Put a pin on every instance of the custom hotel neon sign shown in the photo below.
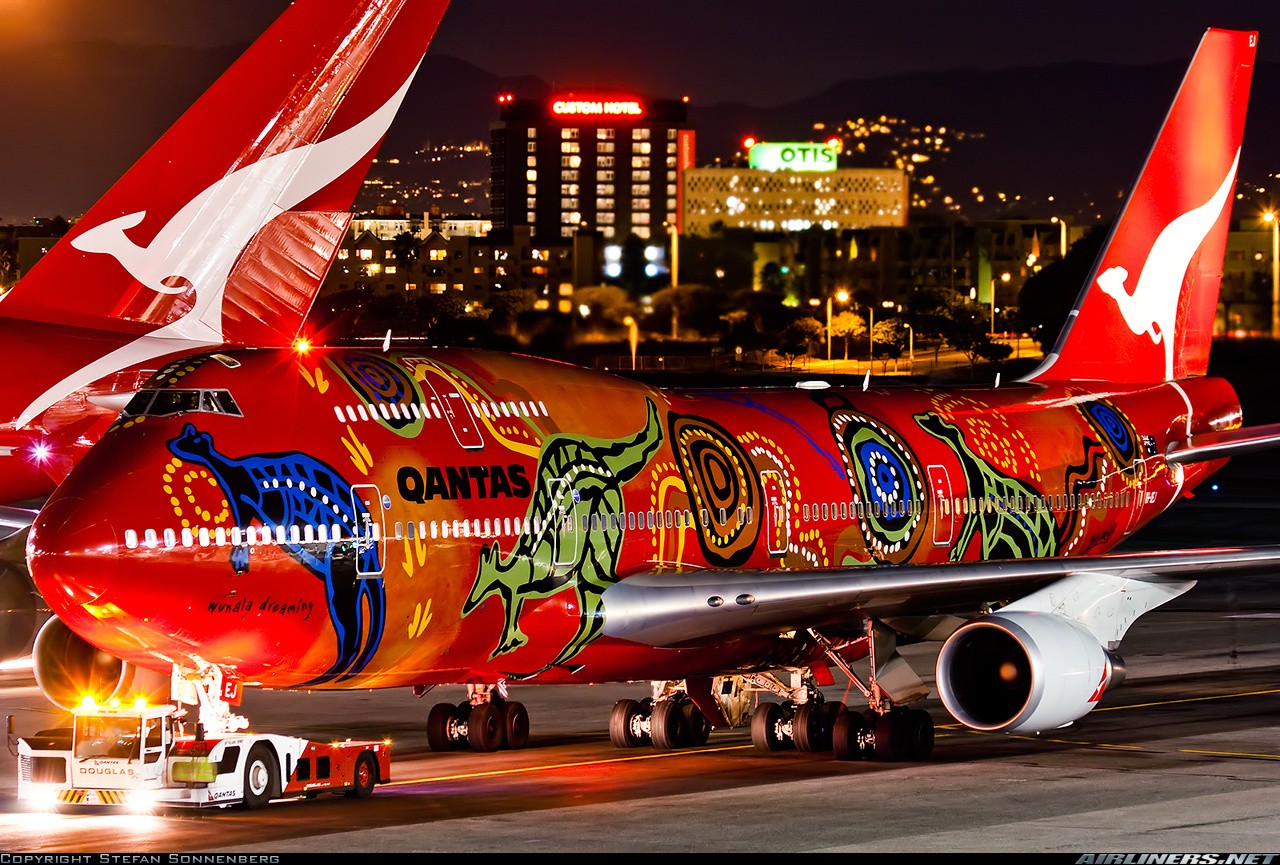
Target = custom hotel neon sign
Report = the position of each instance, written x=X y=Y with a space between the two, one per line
x=612 y=107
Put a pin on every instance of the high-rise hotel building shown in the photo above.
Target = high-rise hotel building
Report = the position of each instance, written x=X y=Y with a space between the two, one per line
x=604 y=162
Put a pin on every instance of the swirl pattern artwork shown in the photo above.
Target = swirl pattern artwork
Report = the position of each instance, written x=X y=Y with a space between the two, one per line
x=889 y=496
x=723 y=484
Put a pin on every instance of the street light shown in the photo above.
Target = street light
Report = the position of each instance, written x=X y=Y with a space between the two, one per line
x=1062 y=236
x=633 y=337
x=674 y=230
x=842 y=296
x=1004 y=277
x=1269 y=217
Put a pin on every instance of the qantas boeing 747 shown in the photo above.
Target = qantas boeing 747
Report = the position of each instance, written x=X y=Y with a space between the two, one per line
x=347 y=518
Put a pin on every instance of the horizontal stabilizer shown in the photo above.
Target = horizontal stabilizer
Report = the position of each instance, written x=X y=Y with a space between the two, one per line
x=1230 y=443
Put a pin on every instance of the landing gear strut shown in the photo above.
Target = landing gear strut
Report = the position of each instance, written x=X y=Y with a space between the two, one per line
x=485 y=721
x=885 y=731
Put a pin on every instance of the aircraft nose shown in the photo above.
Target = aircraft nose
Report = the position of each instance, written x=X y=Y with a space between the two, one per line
x=73 y=554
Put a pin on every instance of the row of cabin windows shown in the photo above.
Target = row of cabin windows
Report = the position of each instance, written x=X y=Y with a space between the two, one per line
x=612 y=522
x=970 y=505
x=236 y=536
x=419 y=411
x=477 y=527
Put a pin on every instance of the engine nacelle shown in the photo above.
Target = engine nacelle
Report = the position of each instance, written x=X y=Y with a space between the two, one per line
x=68 y=668
x=22 y=612
x=1023 y=671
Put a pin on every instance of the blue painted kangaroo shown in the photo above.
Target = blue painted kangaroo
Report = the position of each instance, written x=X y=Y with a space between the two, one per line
x=296 y=490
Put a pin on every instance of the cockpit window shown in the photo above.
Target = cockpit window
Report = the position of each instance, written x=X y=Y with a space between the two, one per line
x=171 y=401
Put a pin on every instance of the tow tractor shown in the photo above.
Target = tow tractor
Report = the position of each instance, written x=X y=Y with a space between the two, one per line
x=140 y=757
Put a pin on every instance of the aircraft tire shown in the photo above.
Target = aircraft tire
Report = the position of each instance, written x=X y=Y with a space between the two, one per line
x=766 y=721
x=697 y=725
x=624 y=731
x=515 y=725
x=891 y=737
x=845 y=732
x=438 y=722
x=484 y=728
x=806 y=728
x=918 y=739
x=667 y=726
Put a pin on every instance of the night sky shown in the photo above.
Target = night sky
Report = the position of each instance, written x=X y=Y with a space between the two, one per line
x=758 y=53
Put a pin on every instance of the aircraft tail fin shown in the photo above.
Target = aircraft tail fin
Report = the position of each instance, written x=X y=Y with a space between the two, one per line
x=1147 y=310
x=223 y=230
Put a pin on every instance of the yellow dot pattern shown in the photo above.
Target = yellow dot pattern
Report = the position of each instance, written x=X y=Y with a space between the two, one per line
x=187 y=487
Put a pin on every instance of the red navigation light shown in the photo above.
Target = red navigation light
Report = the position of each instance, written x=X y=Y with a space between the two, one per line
x=748 y=142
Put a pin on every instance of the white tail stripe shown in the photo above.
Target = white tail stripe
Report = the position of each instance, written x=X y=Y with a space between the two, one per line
x=199 y=246
x=1152 y=307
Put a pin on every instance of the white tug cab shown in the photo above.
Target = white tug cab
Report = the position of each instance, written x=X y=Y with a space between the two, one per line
x=141 y=757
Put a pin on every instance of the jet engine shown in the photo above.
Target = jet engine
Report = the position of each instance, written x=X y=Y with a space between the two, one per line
x=68 y=668
x=1023 y=671
x=21 y=612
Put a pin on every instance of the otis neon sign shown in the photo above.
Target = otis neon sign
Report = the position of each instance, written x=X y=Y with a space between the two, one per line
x=792 y=156
x=597 y=107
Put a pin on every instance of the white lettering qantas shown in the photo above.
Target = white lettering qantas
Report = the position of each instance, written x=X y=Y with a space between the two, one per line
x=1152 y=308
x=199 y=246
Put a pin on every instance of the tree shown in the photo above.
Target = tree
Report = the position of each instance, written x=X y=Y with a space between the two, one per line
x=798 y=337
x=848 y=325
x=969 y=333
x=1047 y=297
x=404 y=249
x=693 y=307
x=508 y=305
x=890 y=339
x=633 y=277
x=607 y=305
x=433 y=311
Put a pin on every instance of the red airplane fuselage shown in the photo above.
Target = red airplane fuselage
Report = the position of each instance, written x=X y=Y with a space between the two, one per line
x=346 y=518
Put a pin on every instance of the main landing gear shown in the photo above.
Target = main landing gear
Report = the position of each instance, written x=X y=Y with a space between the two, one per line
x=485 y=721
x=801 y=719
x=672 y=718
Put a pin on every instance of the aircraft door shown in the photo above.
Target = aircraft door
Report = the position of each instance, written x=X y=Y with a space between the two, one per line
x=457 y=413
x=776 y=525
x=366 y=503
x=563 y=517
x=944 y=512
x=1137 y=493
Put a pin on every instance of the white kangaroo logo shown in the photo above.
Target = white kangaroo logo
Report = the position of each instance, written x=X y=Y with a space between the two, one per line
x=198 y=247
x=1152 y=308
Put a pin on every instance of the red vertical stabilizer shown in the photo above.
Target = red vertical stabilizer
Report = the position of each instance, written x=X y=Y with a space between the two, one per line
x=1146 y=312
x=291 y=126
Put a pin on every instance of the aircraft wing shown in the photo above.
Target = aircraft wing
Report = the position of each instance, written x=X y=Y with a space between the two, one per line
x=1217 y=445
x=688 y=608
